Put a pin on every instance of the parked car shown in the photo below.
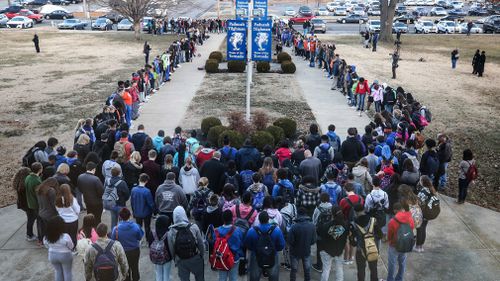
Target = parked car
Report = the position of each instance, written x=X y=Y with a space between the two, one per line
x=60 y=2
x=462 y=28
x=340 y=11
x=429 y=2
x=400 y=10
x=410 y=3
x=492 y=25
x=375 y=4
x=353 y=19
x=72 y=24
x=20 y=22
x=399 y=27
x=438 y=11
x=420 y=12
x=481 y=21
x=113 y=16
x=290 y=12
x=37 y=18
x=331 y=6
x=38 y=2
x=373 y=26
x=457 y=4
x=300 y=19
x=358 y=11
x=322 y=12
x=406 y=18
x=446 y=27
x=3 y=20
x=305 y=11
x=318 y=25
x=425 y=26
x=102 y=24
x=478 y=12
x=125 y=24
x=457 y=12
x=144 y=23
x=444 y=4
x=20 y=2
x=375 y=11
x=11 y=9
x=451 y=18
x=59 y=14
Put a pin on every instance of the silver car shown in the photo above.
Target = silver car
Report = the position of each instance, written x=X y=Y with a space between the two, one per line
x=3 y=20
x=319 y=25
x=125 y=24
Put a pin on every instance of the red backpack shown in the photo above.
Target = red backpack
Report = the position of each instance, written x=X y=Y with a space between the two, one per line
x=222 y=257
x=471 y=172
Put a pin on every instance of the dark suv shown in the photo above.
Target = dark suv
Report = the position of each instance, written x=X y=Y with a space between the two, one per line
x=492 y=25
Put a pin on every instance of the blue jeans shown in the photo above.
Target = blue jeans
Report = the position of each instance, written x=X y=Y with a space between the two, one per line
x=453 y=63
x=378 y=106
x=306 y=264
x=351 y=98
x=128 y=113
x=114 y=216
x=231 y=275
x=361 y=103
x=388 y=107
x=62 y=263
x=400 y=258
x=163 y=271
x=463 y=184
x=443 y=179
x=255 y=272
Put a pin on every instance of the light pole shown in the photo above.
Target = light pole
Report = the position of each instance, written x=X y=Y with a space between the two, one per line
x=249 y=58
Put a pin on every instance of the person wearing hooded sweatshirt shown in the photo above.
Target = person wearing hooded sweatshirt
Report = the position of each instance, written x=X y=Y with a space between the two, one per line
x=170 y=195
x=333 y=138
x=162 y=271
x=301 y=237
x=188 y=178
x=402 y=215
x=362 y=175
x=212 y=214
x=142 y=203
x=158 y=140
x=324 y=208
x=187 y=256
x=308 y=195
x=129 y=234
x=247 y=153
x=284 y=187
x=235 y=243
x=122 y=191
x=274 y=214
x=258 y=190
x=108 y=165
x=251 y=239
x=351 y=149
x=429 y=163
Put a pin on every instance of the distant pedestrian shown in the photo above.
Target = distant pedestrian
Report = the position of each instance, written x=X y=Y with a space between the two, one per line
x=475 y=61
x=466 y=174
x=36 y=41
x=395 y=59
x=480 y=64
x=374 y=42
x=146 y=50
x=469 y=27
x=454 y=58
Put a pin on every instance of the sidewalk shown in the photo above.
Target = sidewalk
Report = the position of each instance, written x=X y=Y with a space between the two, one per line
x=165 y=109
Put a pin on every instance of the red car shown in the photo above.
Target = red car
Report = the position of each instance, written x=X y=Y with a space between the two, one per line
x=300 y=19
x=26 y=13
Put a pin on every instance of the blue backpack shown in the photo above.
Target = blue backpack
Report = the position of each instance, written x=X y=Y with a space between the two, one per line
x=246 y=178
x=268 y=181
x=333 y=191
x=324 y=156
x=105 y=266
x=258 y=200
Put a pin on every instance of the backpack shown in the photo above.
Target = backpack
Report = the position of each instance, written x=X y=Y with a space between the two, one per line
x=288 y=219
x=265 y=250
x=404 y=237
x=122 y=153
x=429 y=204
x=258 y=200
x=185 y=243
x=200 y=205
x=325 y=216
x=432 y=164
x=158 y=253
x=83 y=244
x=228 y=204
x=110 y=195
x=352 y=213
x=324 y=156
x=268 y=180
x=333 y=191
x=471 y=172
x=370 y=251
x=243 y=222
x=378 y=211
x=176 y=141
x=334 y=142
x=29 y=157
x=105 y=266
x=246 y=179
x=285 y=193
x=413 y=159
x=428 y=114
x=233 y=180
x=222 y=257
x=417 y=215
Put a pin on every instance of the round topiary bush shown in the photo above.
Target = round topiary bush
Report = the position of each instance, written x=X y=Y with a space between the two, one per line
x=216 y=55
x=288 y=125
x=208 y=123
x=288 y=67
x=236 y=66
x=283 y=56
x=261 y=139
x=235 y=138
x=212 y=66
x=263 y=67
x=277 y=132
x=214 y=133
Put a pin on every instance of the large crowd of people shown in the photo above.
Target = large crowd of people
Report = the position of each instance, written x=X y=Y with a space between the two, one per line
x=253 y=211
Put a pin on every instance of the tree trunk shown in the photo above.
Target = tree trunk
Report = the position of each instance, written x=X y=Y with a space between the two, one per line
x=386 y=18
x=137 y=30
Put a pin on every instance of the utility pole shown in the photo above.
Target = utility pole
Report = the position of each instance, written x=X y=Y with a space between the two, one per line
x=218 y=9
x=249 y=58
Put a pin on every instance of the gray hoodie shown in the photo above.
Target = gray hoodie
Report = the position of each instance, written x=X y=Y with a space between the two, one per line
x=180 y=220
x=168 y=196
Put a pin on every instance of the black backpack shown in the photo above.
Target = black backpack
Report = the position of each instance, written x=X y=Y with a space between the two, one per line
x=240 y=222
x=432 y=164
x=29 y=157
x=405 y=240
x=185 y=242
x=234 y=181
x=285 y=193
x=105 y=266
x=324 y=156
x=352 y=213
x=265 y=250
x=378 y=211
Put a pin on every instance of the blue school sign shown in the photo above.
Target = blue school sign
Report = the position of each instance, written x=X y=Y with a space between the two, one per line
x=261 y=40
x=241 y=9
x=260 y=9
x=236 y=40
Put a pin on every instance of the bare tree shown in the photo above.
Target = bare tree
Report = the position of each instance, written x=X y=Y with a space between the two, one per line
x=388 y=8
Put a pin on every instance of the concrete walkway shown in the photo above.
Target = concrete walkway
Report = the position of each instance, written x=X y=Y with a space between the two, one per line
x=166 y=108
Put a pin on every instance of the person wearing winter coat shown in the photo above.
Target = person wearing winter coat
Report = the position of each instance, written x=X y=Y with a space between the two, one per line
x=445 y=153
x=122 y=191
x=362 y=175
x=325 y=207
x=313 y=139
x=139 y=137
x=192 y=260
x=402 y=215
x=141 y=201
x=188 y=178
x=169 y=195
x=162 y=271
x=153 y=170
x=132 y=169
x=92 y=189
x=214 y=170
x=247 y=153
x=308 y=195
x=129 y=234
x=283 y=152
x=410 y=175
x=46 y=197
x=463 y=168
x=429 y=164
x=310 y=167
x=301 y=237
x=351 y=148
x=235 y=243
x=274 y=214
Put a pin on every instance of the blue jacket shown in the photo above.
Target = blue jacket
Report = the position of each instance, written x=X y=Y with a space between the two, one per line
x=129 y=234
x=252 y=237
x=245 y=154
x=235 y=242
x=142 y=202
x=60 y=159
x=301 y=236
x=229 y=153
x=286 y=183
x=138 y=140
x=158 y=143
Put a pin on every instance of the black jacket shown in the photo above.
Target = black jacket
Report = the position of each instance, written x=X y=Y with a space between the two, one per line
x=444 y=152
x=301 y=236
x=102 y=149
x=246 y=154
x=122 y=190
x=91 y=188
x=356 y=239
x=214 y=170
x=333 y=247
x=312 y=141
x=351 y=150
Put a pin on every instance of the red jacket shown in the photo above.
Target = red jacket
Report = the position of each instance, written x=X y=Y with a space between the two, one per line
x=392 y=232
x=363 y=88
x=346 y=208
x=204 y=155
x=283 y=153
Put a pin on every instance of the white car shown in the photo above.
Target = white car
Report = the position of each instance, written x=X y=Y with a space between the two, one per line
x=410 y=3
x=3 y=20
x=438 y=11
x=340 y=11
x=322 y=12
x=375 y=4
x=374 y=11
x=429 y=2
x=290 y=12
x=20 y=22
x=446 y=27
x=462 y=28
x=457 y=4
x=425 y=26
x=420 y=3
x=125 y=24
x=331 y=6
x=373 y=26
x=358 y=11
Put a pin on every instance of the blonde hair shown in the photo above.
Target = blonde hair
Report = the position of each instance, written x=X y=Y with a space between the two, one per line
x=135 y=156
x=63 y=168
x=79 y=124
x=83 y=139
x=203 y=182
x=267 y=166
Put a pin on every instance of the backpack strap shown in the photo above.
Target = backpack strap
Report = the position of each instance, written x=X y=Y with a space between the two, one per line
x=270 y=230
x=259 y=232
x=372 y=225
x=108 y=248
x=237 y=209
x=98 y=248
x=250 y=214
x=230 y=233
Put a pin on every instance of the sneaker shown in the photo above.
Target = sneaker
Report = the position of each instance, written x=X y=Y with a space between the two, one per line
x=31 y=238
x=346 y=262
x=317 y=268
x=360 y=112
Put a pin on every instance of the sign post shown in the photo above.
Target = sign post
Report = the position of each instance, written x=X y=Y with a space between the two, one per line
x=249 y=59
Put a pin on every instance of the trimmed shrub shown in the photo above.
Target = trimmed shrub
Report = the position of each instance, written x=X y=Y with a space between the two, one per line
x=214 y=133
x=216 y=55
x=260 y=120
x=263 y=67
x=288 y=125
x=237 y=122
x=261 y=139
x=235 y=138
x=236 y=66
x=283 y=56
x=212 y=66
x=277 y=132
x=288 y=67
x=208 y=123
